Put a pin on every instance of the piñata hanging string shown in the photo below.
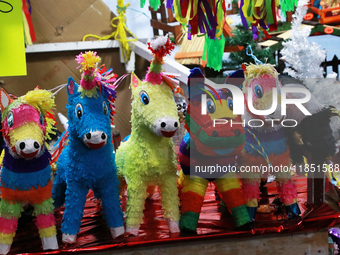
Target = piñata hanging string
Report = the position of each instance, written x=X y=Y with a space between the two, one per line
x=120 y=33
x=249 y=52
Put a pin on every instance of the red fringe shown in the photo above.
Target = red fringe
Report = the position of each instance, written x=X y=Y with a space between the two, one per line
x=191 y=202
x=233 y=198
x=164 y=50
x=45 y=221
x=287 y=192
x=8 y=226
x=33 y=196
x=184 y=159
x=251 y=191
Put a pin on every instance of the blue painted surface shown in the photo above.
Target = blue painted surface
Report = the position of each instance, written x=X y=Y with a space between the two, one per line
x=330 y=43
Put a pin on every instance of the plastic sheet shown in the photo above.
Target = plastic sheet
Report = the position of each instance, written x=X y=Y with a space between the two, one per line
x=215 y=222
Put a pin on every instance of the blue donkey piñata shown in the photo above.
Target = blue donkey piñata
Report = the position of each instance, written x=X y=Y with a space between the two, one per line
x=87 y=162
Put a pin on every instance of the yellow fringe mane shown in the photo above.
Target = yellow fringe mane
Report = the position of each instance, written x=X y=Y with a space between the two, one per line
x=89 y=60
x=43 y=101
x=256 y=71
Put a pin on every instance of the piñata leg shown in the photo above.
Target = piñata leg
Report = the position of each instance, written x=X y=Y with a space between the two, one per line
x=58 y=192
x=288 y=194
x=170 y=201
x=74 y=207
x=9 y=215
x=250 y=185
x=108 y=192
x=136 y=193
x=46 y=224
x=192 y=197
x=232 y=195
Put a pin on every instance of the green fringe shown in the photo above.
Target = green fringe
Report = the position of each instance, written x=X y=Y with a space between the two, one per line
x=45 y=208
x=213 y=52
x=154 y=4
x=8 y=210
x=88 y=93
x=13 y=105
x=156 y=68
x=189 y=221
x=240 y=215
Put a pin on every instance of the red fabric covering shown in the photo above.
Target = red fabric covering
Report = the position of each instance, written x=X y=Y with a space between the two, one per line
x=215 y=222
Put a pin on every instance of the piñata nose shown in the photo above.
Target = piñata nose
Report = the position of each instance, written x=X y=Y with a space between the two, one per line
x=95 y=139
x=28 y=148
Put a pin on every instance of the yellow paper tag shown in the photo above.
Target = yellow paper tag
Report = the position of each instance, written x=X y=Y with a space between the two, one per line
x=12 y=44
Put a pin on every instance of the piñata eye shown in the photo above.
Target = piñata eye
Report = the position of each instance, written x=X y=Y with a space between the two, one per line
x=230 y=103
x=258 y=90
x=79 y=110
x=210 y=106
x=144 y=97
x=105 y=109
x=10 y=120
x=41 y=119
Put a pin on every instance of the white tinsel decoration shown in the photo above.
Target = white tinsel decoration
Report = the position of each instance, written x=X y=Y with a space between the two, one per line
x=159 y=42
x=305 y=57
x=327 y=91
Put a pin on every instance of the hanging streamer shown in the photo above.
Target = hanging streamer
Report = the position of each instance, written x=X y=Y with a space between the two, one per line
x=29 y=33
x=213 y=52
x=262 y=14
x=288 y=6
x=120 y=33
x=154 y=4
x=203 y=17
x=200 y=16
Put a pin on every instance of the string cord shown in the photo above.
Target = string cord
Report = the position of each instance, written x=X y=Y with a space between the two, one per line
x=249 y=52
x=120 y=33
x=262 y=151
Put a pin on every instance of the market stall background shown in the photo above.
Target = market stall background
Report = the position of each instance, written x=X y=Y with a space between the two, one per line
x=55 y=24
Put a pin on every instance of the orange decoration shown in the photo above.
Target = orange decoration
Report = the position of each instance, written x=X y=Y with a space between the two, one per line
x=329 y=30
x=309 y=16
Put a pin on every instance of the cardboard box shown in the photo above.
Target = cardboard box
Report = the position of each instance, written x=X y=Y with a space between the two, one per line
x=48 y=70
x=70 y=20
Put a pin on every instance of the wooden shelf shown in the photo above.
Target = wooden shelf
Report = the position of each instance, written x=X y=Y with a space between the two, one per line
x=69 y=46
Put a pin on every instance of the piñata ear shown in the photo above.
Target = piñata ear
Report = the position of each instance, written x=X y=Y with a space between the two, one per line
x=195 y=82
x=236 y=78
x=5 y=99
x=134 y=81
x=37 y=87
x=71 y=86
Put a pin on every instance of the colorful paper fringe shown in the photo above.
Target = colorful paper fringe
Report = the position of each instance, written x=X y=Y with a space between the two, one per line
x=213 y=52
x=259 y=13
x=28 y=25
x=204 y=16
